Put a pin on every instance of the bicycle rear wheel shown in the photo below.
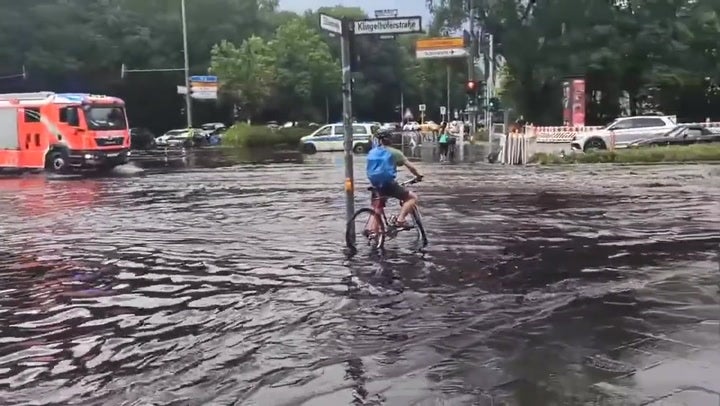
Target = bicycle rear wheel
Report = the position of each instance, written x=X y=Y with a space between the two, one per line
x=357 y=233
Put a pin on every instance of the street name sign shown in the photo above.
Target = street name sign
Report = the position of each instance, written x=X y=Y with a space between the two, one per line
x=389 y=13
x=394 y=25
x=331 y=24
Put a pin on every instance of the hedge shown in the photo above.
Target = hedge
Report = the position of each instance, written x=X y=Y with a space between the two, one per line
x=673 y=153
x=258 y=136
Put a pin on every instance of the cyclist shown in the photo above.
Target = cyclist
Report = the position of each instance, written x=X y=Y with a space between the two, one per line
x=382 y=163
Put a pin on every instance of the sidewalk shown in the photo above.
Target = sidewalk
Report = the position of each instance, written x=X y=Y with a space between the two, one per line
x=682 y=368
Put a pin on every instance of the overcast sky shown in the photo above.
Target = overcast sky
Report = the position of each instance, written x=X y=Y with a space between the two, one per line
x=404 y=7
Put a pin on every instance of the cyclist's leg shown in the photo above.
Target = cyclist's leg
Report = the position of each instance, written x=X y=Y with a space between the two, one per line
x=408 y=198
x=377 y=203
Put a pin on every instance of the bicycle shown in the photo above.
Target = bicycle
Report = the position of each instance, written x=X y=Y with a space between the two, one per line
x=387 y=229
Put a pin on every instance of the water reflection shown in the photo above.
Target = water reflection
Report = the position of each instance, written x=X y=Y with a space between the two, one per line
x=224 y=282
x=38 y=195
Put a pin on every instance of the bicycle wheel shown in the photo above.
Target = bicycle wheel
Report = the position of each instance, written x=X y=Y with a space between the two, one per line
x=419 y=225
x=357 y=233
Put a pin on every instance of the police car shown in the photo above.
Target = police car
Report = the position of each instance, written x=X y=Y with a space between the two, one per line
x=330 y=138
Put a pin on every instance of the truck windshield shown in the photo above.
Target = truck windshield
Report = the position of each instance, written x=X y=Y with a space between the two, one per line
x=105 y=118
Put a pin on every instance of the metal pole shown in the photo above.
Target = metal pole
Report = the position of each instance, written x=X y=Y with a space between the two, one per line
x=402 y=107
x=491 y=77
x=472 y=116
x=347 y=122
x=447 y=107
x=188 y=99
x=327 y=110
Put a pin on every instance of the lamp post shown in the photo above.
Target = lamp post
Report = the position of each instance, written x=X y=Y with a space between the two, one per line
x=188 y=99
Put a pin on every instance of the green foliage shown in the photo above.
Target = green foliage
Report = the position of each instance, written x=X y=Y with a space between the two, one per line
x=257 y=136
x=247 y=74
x=690 y=153
x=657 y=52
x=277 y=65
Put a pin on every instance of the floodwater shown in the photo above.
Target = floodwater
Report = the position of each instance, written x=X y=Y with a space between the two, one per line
x=212 y=282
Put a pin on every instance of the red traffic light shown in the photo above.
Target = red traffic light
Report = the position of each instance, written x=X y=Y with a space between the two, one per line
x=471 y=87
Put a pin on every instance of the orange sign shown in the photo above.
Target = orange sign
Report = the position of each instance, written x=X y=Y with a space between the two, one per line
x=440 y=43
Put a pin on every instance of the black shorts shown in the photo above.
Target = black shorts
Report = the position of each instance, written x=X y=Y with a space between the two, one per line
x=394 y=190
x=443 y=147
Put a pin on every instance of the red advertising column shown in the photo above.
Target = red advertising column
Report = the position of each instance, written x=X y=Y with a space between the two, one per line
x=567 y=110
x=578 y=103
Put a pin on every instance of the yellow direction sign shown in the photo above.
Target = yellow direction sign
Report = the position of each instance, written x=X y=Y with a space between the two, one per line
x=440 y=43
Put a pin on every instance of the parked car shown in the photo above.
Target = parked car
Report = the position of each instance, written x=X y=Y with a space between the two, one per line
x=330 y=137
x=141 y=138
x=625 y=130
x=391 y=126
x=411 y=126
x=683 y=134
x=179 y=137
x=213 y=127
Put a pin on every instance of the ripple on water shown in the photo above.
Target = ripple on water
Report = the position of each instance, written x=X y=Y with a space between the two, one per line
x=230 y=285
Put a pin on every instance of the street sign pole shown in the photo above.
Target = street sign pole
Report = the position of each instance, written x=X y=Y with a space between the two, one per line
x=347 y=123
x=347 y=29
x=188 y=100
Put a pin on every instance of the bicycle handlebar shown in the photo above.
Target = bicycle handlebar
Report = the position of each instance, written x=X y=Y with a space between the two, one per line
x=411 y=181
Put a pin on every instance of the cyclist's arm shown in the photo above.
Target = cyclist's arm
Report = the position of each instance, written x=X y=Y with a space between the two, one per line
x=412 y=169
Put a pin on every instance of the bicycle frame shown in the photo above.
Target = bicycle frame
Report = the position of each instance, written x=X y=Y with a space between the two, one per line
x=378 y=203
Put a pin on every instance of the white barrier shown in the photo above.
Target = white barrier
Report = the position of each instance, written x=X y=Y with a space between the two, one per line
x=516 y=149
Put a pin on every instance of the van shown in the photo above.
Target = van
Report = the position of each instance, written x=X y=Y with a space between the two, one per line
x=331 y=137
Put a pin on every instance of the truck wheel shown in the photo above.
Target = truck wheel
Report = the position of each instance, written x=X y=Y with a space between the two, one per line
x=56 y=162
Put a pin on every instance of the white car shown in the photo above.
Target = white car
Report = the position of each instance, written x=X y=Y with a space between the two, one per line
x=411 y=126
x=331 y=137
x=624 y=131
x=173 y=137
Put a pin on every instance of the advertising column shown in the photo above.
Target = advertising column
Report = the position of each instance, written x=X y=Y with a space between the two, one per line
x=578 y=102
x=567 y=110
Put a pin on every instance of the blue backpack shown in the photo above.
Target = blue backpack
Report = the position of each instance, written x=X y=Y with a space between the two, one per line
x=381 y=169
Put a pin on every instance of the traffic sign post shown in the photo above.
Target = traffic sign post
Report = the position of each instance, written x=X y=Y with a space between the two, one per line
x=347 y=29
x=422 y=109
x=443 y=112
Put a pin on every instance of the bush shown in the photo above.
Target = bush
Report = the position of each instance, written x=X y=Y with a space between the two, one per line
x=259 y=136
x=690 y=153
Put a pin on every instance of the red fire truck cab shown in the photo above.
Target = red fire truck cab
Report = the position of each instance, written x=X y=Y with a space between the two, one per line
x=62 y=132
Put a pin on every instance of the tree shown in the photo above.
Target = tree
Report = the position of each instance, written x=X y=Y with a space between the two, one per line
x=647 y=49
x=306 y=71
x=246 y=74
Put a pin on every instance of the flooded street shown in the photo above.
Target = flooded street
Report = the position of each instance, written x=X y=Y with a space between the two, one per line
x=220 y=283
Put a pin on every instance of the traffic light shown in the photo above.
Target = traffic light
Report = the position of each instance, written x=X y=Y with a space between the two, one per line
x=471 y=87
x=494 y=104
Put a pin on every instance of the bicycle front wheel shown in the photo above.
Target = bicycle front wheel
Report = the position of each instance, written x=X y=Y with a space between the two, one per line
x=419 y=225
x=365 y=229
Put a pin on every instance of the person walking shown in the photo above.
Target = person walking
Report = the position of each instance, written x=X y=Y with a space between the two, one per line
x=443 y=142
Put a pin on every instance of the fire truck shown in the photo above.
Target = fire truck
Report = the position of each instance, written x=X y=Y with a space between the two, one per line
x=62 y=132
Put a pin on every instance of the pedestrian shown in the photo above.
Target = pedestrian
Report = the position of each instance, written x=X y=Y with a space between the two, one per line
x=443 y=142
